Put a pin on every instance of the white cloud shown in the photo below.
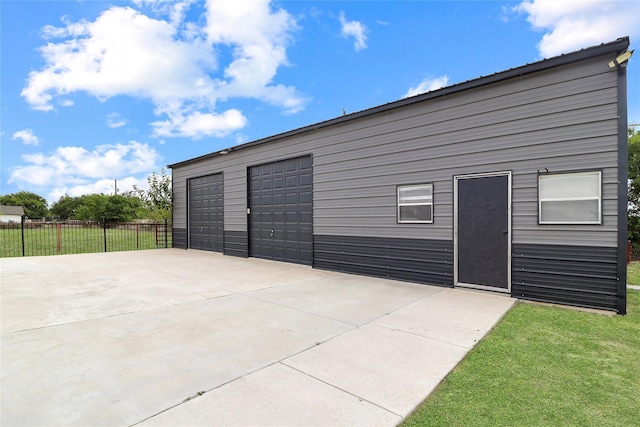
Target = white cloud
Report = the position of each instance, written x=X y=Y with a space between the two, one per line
x=171 y=62
x=76 y=169
x=27 y=136
x=241 y=138
x=427 y=85
x=114 y=120
x=356 y=30
x=258 y=37
x=175 y=10
x=570 y=25
x=122 y=52
x=197 y=125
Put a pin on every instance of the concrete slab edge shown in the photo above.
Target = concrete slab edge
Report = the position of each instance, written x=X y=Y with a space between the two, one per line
x=498 y=320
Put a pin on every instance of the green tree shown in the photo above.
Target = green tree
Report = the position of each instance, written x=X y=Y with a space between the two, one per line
x=99 y=207
x=633 y=190
x=66 y=207
x=35 y=206
x=157 y=201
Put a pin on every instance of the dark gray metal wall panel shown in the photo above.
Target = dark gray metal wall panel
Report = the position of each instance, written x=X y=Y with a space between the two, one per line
x=416 y=260
x=281 y=204
x=574 y=275
x=179 y=238
x=236 y=243
x=206 y=212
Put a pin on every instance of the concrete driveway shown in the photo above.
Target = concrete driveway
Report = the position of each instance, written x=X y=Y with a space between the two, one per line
x=174 y=337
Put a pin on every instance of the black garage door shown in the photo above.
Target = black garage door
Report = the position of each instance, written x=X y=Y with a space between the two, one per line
x=206 y=212
x=281 y=211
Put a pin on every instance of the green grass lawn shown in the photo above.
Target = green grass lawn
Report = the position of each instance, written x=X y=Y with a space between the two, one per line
x=633 y=273
x=545 y=366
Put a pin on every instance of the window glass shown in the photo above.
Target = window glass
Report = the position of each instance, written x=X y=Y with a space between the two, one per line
x=415 y=203
x=416 y=194
x=569 y=211
x=415 y=213
x=570 y=185
x=572 y=198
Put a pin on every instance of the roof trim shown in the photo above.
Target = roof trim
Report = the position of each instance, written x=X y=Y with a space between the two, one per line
x=617 y=46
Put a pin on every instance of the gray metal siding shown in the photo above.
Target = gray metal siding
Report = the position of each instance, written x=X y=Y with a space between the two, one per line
x=561 y=119
x=573 y=275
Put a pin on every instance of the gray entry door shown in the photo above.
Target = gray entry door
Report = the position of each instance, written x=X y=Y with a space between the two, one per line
x=206 y=212
x=281 y=211
x=483 y=231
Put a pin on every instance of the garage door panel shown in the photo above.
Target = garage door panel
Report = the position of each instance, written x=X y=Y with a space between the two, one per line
x=305 y=180
x=293 y=235
x=305 y=197
x=306 y=163
x=281 y=211
x=206 y=212
x=306 y=236
x=291 y=181
x=265 y=184
x=306 y=217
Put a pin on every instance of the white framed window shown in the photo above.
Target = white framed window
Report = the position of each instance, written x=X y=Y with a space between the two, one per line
x=570 y=198
x=415 y=203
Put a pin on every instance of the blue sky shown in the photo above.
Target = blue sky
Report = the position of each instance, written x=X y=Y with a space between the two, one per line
x=93 y=91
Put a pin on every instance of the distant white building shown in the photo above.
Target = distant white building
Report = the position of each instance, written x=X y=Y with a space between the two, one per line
x=11 y=213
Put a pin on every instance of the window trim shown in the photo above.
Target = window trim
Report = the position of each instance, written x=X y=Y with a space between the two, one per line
x=398 y=204
x=597 y=172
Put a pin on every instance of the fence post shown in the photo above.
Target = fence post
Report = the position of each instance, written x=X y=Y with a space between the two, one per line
x=22 y=228
x=104 y=231
x=59 y=229
x=166 y=242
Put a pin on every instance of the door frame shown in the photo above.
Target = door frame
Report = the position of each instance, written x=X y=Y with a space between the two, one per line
x=457 y=178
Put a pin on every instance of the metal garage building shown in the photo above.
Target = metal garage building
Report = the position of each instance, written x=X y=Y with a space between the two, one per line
x=515 y=182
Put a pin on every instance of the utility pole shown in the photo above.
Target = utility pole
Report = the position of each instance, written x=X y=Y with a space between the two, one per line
x=115 y=187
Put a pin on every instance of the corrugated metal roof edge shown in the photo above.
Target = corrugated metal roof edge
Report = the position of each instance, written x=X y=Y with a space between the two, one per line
x=617 y=46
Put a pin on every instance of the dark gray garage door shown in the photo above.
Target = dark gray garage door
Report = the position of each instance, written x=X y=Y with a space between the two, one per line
x=281 y=211
x=206 y=212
